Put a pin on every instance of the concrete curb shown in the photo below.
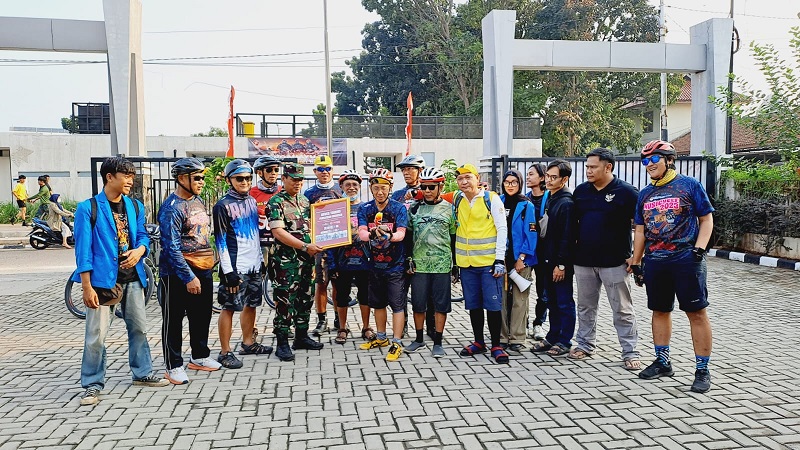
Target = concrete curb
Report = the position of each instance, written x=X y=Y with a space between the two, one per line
x=14 y=246
x=766 y=261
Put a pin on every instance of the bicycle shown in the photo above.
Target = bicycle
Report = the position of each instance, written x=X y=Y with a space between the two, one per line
x=73 y=292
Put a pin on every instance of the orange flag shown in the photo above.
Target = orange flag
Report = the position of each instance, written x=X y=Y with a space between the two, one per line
x=230 y=124
x=410 y=106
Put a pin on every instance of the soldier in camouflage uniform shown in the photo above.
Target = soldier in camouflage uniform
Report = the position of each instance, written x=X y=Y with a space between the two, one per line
x=293 y=254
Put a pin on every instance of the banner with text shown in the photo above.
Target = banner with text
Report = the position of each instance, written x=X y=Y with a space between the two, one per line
x=305 y=150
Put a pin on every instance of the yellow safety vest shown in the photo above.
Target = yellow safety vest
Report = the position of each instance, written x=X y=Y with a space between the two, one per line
x=476 y=234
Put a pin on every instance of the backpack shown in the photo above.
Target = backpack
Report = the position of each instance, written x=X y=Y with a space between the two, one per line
x=93 y=217
x=487 y=200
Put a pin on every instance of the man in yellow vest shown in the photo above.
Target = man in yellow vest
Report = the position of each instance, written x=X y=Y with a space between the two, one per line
x=481 y=235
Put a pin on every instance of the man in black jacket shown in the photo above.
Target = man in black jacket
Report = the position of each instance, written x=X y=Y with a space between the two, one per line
x=555 y=253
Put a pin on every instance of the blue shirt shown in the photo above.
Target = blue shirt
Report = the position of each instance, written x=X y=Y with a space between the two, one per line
x=391 y=258
x=669 y=214
x=316 y=194
x=185 y=230
x=352 y=257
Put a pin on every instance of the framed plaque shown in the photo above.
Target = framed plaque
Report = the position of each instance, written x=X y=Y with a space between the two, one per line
x=330 y=223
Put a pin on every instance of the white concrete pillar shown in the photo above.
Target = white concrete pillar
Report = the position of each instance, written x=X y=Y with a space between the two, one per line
x=498 y=81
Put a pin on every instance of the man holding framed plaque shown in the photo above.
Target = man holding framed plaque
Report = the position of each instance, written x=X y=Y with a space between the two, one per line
x=289 y=220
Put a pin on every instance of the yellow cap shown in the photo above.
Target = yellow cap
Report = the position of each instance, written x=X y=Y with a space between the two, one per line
x=467 y=168
x=323 y=161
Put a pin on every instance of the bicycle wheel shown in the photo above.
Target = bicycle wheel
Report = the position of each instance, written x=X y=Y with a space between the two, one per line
x=148 y=291
x=73 y=297
x=266 y=286
x=454 y=297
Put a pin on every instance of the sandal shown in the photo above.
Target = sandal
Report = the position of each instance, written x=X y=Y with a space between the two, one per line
x=341 y=336
x=541 y=346
x=499 y=355
x=578 y=354
x=473 y=349
x=368 y=334
x=632 y=364
x=558 y=350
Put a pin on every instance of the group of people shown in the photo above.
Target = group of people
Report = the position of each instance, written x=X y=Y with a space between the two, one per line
x=47 y=205
x=417 y=239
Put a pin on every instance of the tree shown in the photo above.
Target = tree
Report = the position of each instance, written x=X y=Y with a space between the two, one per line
x=212 y=132
x=774 y=114
x=68 y=123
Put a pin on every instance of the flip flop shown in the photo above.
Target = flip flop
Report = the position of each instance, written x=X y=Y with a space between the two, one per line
x=558 y=350
x=632 y=364
x=541 y=346
x=579 y=354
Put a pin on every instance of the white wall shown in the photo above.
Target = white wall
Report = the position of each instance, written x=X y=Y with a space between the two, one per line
x=66 y=157
x=679 y=122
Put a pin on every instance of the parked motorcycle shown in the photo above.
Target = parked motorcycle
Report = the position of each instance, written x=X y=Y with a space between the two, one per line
x=42 y=236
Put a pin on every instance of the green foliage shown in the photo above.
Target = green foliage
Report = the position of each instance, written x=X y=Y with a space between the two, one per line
x=774 y=221
x=212 y=132
x=215 y=186
x=760 y=180
x=8 y=210
x=773 y=115
x=449 y=167
x=68 y=123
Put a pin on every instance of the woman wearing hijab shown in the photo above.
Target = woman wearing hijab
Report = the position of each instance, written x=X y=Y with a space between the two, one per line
x=54 y=218
x=520 y=259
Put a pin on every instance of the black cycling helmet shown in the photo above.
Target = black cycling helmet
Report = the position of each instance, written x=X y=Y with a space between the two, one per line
x=187 y=166
x=266 y=161
x=237 y=166
x=412 y=161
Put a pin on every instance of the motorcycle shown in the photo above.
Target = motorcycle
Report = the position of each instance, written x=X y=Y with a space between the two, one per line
x=42 y=236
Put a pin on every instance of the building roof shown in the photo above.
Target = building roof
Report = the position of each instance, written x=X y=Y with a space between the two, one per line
x=743 y=140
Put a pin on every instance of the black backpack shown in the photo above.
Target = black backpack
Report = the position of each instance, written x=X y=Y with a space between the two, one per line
x=93 y=217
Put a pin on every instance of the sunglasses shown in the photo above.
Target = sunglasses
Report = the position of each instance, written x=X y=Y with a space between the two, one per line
x=323 y=169
x=271 y=169
x=247 y=178
x=428 y=187
x=654 y=159
x=198 y=178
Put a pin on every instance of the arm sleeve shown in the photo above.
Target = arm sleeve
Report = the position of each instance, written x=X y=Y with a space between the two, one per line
x=221 y=227
x=529 y=246
x=142 y=238
x=401 y=223
x=363 y=232
x=171 y=226
x=638 y=217
x=499 y=217
x=567 y=242
x=83 y=238
x=702 y=205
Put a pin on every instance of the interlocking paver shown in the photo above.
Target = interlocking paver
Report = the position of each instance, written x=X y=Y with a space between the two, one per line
x=343 y=397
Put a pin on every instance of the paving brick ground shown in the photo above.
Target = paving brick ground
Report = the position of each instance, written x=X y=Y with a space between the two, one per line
x=343 y=397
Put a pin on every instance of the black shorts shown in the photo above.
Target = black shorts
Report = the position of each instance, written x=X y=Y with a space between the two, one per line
x=684 y=278
x=386 y=289
x=344 y=283
x=250 y=293
x=434 y=287
x=20 y=203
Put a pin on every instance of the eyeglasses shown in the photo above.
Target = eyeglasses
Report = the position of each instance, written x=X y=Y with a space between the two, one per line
x=198 y=178
x=323 y=169
x=654 y=159
x=247 y=178
x=428 y=187
x=271 y=169
x=510 y=183
x=552 y=177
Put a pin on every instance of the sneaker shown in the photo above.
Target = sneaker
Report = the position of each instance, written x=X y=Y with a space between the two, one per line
x=515 y=349
x=538 y=333
x=702 y=381
x=322 y=327
x=395 y=350
x=254 y=349
x=151 y=381
x=90 y=397
x=336 y=323
x=655 y=370
x=207 y=364
x=414 y=346
x=229 y=361
x=374 y=344
x=437 y=351
x=177 y=376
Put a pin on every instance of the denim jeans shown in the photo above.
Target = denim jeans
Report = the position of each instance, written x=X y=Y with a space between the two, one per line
x=481 y=289
x=93 y=365
x=561 y=305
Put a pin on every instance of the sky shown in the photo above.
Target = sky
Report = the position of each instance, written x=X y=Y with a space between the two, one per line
x=189 y=96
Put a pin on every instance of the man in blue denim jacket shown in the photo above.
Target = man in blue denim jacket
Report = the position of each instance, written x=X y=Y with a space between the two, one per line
x=109 y=252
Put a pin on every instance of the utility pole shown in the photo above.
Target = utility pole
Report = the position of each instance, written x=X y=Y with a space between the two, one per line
x=328 y=108
x=729 y=117
x=662 y=39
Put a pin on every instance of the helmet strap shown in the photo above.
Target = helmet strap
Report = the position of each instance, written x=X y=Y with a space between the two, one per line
x=187 y=190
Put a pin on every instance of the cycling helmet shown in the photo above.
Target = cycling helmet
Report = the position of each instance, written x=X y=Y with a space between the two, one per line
x=349 y=174
x=187 y=166
x=381 y=176
x=658 y=148
x=412 y=161
x=237 y=166
x=266 y=161
x=431 y=175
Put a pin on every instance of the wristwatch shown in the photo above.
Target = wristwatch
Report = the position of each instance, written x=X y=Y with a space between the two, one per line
x=522 y=257
x=561 y=267
x=304 y=247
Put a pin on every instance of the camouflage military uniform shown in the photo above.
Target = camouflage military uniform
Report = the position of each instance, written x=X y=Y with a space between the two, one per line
x=293 y=269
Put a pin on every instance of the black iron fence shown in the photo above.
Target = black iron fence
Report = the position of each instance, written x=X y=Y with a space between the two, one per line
x=388 y=127
x=627 y=168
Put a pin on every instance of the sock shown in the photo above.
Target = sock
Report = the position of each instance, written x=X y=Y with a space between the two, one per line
x=321 y=317
x=662 y=353
x=437 y=338
x=495 y=320
x=476 y=318
x=701 y=362
x=397 y=340
x=420 y=333
x=381 y=336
